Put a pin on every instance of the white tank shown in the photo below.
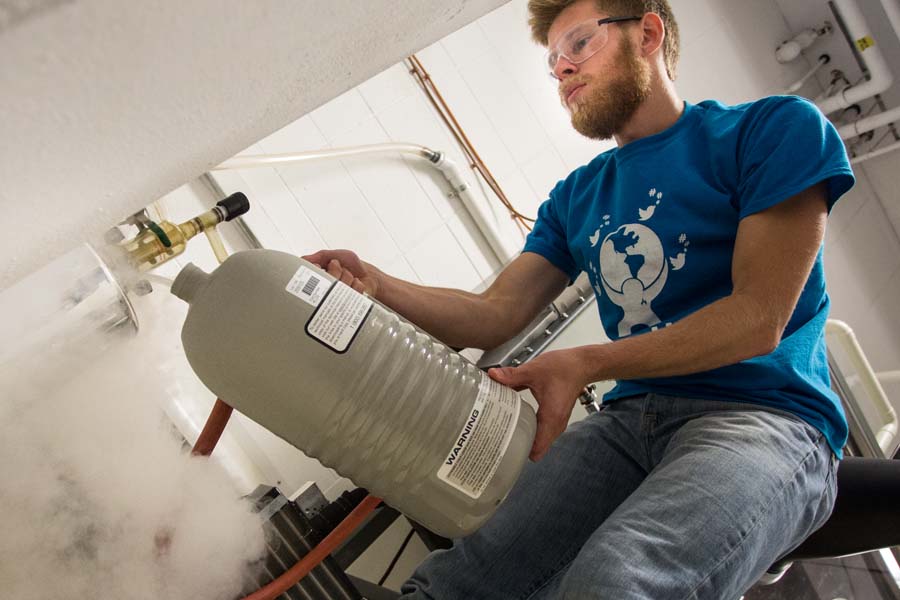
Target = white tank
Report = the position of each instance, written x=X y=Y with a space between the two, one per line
x=352 y=384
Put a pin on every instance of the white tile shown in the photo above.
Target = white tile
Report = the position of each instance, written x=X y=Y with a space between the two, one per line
x=504 y=105
x=182 y=204
x=756 y=29
x=520 y=193
x=400 y=268
x=440 y=261
x=367 y=132
x=466 y=45
x=878 y=328
x=846 y=208
x=696 y=17
x=871 y=247
x=848 y=289
x=497 y=216
x=340 y=114
x=479 y=125
x=506 y=26
x=265 y=230
x=436 y=60
x=390 y=188
x=338 y=210
x=524 y=60
x=462 y=99
x=544 y=171
x=414 y=121
x=272 y=196
x=883 y=177
x=860 y=263
x=388 y=88
x=475 y=245
x=300 y=136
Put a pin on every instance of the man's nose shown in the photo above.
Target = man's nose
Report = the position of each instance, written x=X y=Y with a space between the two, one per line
x=564 y=68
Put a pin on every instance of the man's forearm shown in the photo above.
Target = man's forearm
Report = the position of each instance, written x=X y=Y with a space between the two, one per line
x=725 y=332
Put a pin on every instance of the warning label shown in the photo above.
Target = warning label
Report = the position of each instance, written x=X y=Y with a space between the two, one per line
x=339 y=316
x=484 y=438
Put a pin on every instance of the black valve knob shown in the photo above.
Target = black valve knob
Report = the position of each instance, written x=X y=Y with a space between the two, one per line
x=235 y=205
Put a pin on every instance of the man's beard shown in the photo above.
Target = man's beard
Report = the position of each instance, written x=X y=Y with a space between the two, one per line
x=606 y=108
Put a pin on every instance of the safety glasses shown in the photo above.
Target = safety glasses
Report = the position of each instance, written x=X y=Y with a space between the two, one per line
x=582 y=41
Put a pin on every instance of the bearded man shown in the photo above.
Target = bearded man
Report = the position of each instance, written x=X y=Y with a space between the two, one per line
x=716 y=451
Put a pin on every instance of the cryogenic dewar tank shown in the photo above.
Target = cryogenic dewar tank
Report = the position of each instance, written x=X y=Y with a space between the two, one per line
x=349 y=382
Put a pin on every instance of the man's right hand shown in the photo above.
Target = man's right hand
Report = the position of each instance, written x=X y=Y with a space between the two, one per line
x=346 y=266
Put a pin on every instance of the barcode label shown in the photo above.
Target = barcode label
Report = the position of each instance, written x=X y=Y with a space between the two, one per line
x=308 y=286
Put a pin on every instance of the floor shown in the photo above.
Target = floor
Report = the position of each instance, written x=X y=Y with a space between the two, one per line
x=853 y=578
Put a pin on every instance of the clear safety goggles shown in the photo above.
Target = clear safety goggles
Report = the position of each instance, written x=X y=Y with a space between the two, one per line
x=582 y=41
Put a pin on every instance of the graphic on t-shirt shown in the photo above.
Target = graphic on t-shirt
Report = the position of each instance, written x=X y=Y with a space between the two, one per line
x=677 y=261
x=634 y=268
x=644 y=214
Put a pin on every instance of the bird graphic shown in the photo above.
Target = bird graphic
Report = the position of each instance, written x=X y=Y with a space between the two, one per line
x=646 y=213
x=678 y=261
x=595 y=238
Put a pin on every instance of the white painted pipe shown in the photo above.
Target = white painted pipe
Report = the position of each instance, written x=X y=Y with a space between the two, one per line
x=892 y=8
x=888 y=376
x=874 y=153
x=881 y=77
x=271 y=160
x=869 y=123
x=842 y=332
x=823 y=60
x=478 y=212
x=436 y=159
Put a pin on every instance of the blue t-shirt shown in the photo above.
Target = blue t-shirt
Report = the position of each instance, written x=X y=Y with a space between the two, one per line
x=654 y=224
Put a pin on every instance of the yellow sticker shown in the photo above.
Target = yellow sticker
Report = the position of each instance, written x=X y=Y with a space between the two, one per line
x=865 y=42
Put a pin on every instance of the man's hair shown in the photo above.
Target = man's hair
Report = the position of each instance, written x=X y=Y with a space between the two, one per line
x=544 y=12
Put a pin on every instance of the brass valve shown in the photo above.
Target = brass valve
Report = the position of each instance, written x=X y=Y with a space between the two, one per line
x=160 y=242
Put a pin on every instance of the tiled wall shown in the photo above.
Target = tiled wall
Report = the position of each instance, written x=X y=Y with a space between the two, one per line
x=397 y=214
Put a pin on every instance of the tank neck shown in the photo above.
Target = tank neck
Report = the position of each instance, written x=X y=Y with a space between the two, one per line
x=190 y=281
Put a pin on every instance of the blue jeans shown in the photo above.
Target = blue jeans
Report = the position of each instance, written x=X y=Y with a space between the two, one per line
x=653 y=497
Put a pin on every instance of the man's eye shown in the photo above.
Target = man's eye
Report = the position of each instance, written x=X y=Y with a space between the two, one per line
x=579 y=44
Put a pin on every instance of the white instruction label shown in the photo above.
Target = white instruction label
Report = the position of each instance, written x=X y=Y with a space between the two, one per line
x=339 y=316
x=308 y=286
x=484 y=438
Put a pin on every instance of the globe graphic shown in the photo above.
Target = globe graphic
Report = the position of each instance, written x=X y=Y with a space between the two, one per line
x=632 y=251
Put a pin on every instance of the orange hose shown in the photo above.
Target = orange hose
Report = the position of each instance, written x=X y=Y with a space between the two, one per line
x=290 y=577
x=213 y=429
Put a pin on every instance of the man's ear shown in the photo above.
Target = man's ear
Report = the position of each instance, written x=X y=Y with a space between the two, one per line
x=653 y=34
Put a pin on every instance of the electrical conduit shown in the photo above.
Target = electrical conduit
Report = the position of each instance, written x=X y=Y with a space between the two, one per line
x=844 y=335
x=881 y=77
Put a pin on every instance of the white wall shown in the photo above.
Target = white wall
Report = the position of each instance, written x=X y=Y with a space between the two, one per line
x=397 y=214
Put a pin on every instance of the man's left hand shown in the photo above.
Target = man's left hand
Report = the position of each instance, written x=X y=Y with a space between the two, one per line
x=555 y=380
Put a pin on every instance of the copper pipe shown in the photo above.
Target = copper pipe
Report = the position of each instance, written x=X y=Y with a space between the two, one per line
x=213 y=429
